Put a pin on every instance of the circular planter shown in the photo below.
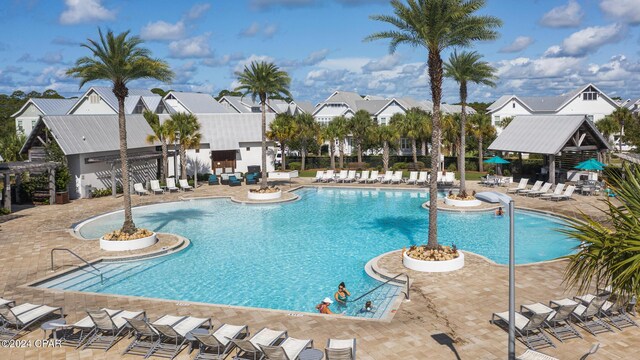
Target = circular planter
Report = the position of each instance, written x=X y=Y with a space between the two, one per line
x=110 y=245
x=264 y=196
x=462 y=203
x=433 y=266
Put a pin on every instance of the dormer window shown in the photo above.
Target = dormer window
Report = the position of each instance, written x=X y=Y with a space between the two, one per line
x=94 y=98
x=590 y=94
x=513 y=105
x=139 y=108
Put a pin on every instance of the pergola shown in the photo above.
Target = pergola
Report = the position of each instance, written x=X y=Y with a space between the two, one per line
x=552 y=136
x=17 y=168
x=113 y=160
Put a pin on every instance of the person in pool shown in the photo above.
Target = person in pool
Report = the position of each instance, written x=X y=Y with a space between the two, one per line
x=342 y=295
x=368 y=307
x=323 y=307
x=499 y=212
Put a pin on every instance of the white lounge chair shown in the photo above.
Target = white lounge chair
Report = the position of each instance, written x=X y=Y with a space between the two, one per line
x=319 y=175
x=155 y=187
x=543 y=190
x=342 y=176
x=397 y=177
x=17 y=319
x=139 y=189
x=351 y=177
x=108 y=327
x=218 y=345
x=289 y=349
x=339 y=349
x=364 y=176
x=328 y=176
x=374 y=177
x=566 y=196
x=536 y=187
x=184 y=185
x=449 y=178
x=522 y=185
x=422 y=178
x=173 y=334
x=81 y=330
x=250 y=348
x=528 y=329
x=556 y=191
x=413 y=177
x=559 y=319
x=534 y=355
x=589 y=315
x=7 y=303
x=171 y=185
x=388 y=176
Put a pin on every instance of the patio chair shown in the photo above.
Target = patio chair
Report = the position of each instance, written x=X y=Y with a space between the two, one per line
x=422 y=178
x=342 y=176
x=155 y=187
x=556 y=191
x=250 y=179
x=566 y=196
x=396 y=178
x=534 y=355
x=213 y=179
x=616 y=313
x=328 y=176
x=319 y=175
x=413 y=177
x=522 y=185
x=139 y=189
x=543 y=190
x=173 y=336
x=589 y=316
x=75 y=334
x=351 y=176
x=338 y=349
x=529 y=330
x=364 y=176
x=19 y=318
x=558 y=321
x=373 y=177
x=184 y=185
x=145 y=337
x=388 y=176
x=7 y=303
x=171 y=185
x=536 y=187
x=250 y=348
x=233 y=181
x=289 y=349
x=218 y=345
x=108 y=328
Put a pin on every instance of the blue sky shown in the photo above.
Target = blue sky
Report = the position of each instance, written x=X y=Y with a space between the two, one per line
x=546 y=47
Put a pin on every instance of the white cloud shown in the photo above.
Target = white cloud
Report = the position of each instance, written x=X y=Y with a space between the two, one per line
x=194 y=47
x=587 y=40
x=161 y=30
x=51 y=58
x=267 y=4
x=223 y=60
x=524 y=68
x=387 y=62
x=351 y=64
x=241 y=64
x=252 y=30
x=520 y=43
x=624 y=10
x=197 y=11
x=85 y=11
x=569 y=15
x=267 y=31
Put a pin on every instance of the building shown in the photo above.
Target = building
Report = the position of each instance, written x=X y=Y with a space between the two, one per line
x=193 y=103
x=587 y=100
x=28 y=115
x=633 y=105
x=246 y=105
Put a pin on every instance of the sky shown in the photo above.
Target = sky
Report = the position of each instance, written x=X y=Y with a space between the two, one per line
x=546 y=47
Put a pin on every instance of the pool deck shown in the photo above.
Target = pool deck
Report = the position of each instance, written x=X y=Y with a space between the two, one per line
x=443 y=306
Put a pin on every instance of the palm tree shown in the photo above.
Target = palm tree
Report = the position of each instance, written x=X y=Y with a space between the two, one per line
x=263 y=81
x=283 y=129
x=622 y=115
x=308 y=131
x=120 y=59
x=360 y=126
x=161 y=133
x=464 y=68
x=436 y=25
x=386 y=136
x=188 y=128
x=340 y=128
x=330 y=133
x=481 y=128
x=451 y=132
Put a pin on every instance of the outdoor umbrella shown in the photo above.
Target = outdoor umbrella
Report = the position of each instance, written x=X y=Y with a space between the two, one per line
x=590 y=165
x=498 y=161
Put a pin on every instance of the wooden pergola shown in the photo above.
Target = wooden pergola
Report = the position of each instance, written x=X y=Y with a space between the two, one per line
x=17 y=168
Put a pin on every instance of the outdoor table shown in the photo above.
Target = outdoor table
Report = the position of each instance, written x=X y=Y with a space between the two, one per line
x=311 y=354
x=192 y=339
x=587 y=189
x=53 y=326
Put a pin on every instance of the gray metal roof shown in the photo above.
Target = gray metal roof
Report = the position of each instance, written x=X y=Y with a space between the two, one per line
x=152 y=102
x=198 y=103
x=82 y=134
x=49 y=106
x=106 y=93
x=371 y=106
x=544 y=134
x=306 y=106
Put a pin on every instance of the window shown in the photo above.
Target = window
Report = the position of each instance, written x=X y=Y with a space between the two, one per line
x=139 y=109
x=94 y=99
x=496 y=120
x=404 y=143
x=19 y=126
x=33 y=123
x=248 y=148
x=590 y=117
x=590 y=94
x=513 y=105
x=383 y=120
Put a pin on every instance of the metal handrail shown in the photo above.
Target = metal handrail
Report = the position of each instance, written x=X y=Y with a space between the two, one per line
x=78 y=256
x=406 y=294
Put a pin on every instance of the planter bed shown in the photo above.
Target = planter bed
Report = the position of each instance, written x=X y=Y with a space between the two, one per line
x=126 y=245
x=433 y=266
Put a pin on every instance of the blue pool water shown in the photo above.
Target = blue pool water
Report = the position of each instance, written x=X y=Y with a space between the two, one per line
x=290 y=256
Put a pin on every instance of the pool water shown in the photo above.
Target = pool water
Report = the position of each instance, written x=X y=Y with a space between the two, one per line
x=290 y=256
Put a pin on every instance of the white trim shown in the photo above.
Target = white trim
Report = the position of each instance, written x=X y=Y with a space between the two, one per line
x=86 y=96
x=24 y=107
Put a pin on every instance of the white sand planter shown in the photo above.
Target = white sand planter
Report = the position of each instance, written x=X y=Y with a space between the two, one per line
x=125 y=245
x=264 y=196
x=462 y=203
x=433 y=266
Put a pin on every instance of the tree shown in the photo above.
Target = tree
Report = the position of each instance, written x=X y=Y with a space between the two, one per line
x=283 y=129
x=263 y=81
x=329 y=132
x=308 y=132
x=159 y=91
x=187 y=127
x=10 y=146
x=436 y=25
x=386 y=136
x=161 y=133
x=481 y=128
x=340 y=128
x=504 y=122
x=225 y=92
x=120 y=59
x=360 y=127
x=451 y=132
x=621 y=115
x=465 y=68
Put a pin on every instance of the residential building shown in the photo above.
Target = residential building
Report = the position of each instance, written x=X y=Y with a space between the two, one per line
x=633 y=105
x=246 y=105
x=28 y=115
x=194 y=103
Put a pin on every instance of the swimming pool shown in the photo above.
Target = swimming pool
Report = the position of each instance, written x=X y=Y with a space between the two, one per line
x=290 y=256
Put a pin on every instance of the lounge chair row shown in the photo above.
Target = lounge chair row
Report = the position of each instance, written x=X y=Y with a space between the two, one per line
x=166 y=336
x=593 y=313
x=157 y=189
x=390 y=177
x=543 y=191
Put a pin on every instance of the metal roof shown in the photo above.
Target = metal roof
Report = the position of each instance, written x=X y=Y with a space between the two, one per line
x=544 y=134
x=630 y=157
x=306 y=106
x=198 y=103
x=106 y=93
x=82 y=134
x=49 y=106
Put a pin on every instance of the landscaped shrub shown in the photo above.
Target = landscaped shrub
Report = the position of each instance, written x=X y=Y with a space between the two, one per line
x=452 y=167
x=506 y=172
x=295 y=165
x=471 y=166
x=420 y=165
x=4 y=211
x=358 y=166
x=399 y=166
x=105 y=192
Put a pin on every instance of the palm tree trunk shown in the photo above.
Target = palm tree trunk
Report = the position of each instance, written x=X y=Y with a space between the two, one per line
x=332 y=152
x=435 y=77
x=303 y=154
x=165 y=159
x=359 y=153
x=341 y=150
x=263 y=179
x=414 y=151
x=385 y=155
x=480 y=155
x=424 y=148
x=283 y=166
x=183 y=161
x=128 y=227
x=463 y=141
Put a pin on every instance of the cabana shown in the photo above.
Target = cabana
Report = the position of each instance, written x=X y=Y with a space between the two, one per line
x=568 y=139
x=17 y=168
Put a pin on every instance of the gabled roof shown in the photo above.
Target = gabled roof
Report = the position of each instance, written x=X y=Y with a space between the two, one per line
x=110 y=99
x=345 y=97
x=198 y=103
x=631 y=103
x=545 y=134
x=82 y=134
x=373 y=107
x=244 y=104
x=305 y=106
x=152 y=102
x=48 y=106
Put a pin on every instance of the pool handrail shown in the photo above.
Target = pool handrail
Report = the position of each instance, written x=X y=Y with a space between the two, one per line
x=78 y=256
x=406 y=293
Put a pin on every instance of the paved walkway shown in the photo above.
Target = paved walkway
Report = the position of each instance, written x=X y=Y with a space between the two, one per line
x=454 y=306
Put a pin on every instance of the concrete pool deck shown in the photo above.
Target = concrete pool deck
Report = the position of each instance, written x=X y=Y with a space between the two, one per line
x=458 y=305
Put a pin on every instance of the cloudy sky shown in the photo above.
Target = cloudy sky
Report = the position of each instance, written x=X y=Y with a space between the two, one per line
x=546 y=47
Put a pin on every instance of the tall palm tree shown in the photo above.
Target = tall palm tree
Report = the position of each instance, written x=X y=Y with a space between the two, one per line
x=263 y=80
x=161 y=133
x=436 y=25
x=340 y=127
x=451 y=132
x=622 y=115
x=283 y=129
x=120 y=59
x=308 y=131
x=188 y=128
x=360 y=127
x=386 y=136
x=330 y=133
x=481 y=128
x=466 y=68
